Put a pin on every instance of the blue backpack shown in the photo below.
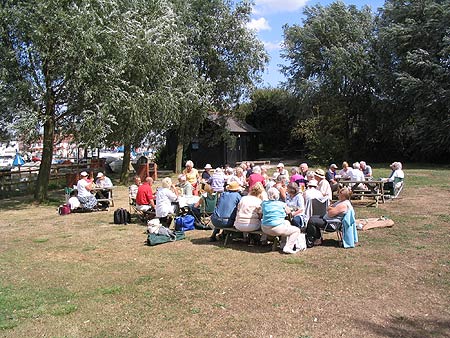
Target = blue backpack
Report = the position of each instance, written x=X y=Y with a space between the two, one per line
x=184 y=223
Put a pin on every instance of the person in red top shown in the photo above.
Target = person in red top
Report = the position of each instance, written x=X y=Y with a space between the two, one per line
x=144 y=197
x=256 y=177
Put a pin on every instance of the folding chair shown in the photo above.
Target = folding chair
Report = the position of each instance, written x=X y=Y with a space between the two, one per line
x=394 y=188
x=316 y=207
x=143 y=216
x=207 y=205
x=398 y=186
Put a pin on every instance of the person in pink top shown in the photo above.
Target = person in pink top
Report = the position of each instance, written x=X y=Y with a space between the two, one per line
x=256 y=177
x=296 y=177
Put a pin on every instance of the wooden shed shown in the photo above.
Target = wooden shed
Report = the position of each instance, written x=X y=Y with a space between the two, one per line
x=242 y=145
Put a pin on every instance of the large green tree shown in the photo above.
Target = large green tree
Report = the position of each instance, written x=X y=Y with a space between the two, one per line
x=414 y=77
x=48 y=51
x=103 y=71
x=227 y=56
x=156 y=72
x=330 y=70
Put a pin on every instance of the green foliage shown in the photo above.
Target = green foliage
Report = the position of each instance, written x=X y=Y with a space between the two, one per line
x=316 y=132
x=228 y=59
x=386 y=79
x=330 y=71
x=273 y=112
x=414 y=73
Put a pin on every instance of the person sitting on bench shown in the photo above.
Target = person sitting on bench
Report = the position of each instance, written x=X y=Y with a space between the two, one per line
x=144 y=196
x=225 y=210
x=84 y=187
x=165 y=195
x=274 y=222
x=248 y=216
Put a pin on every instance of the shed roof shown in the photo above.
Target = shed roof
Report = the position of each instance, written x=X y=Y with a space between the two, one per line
x=234 y=125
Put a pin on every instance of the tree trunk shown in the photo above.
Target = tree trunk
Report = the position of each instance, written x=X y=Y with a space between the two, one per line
x=179 y=157
x=125 y=164
x=41 y=190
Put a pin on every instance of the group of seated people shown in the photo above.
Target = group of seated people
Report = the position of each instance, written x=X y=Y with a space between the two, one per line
x=361 y=172
x=248 y=198
x=84 y=197
x=268 y=211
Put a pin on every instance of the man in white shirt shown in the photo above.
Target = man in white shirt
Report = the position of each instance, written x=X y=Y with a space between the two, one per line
x=312 y=191
x=357 y=175
x=103 y=182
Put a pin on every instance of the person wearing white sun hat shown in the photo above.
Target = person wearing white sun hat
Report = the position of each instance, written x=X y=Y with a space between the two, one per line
x=84 y=187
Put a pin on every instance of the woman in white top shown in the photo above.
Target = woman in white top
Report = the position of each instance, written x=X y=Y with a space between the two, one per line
x=84 y=187
x=248 y=216
x=164 y=198
x=394 y=180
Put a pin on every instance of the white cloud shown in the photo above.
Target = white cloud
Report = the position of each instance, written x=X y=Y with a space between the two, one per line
x=259 y=24
x=270 y=6
x=271 y=46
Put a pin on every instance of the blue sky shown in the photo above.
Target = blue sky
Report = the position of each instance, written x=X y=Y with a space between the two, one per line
x=268 y=19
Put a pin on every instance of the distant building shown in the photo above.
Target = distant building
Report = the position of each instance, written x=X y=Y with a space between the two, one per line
x=202 y=150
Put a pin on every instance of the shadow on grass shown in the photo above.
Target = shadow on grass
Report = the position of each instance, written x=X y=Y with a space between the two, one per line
x=234 y=244
x=55 y=198
x=401 y=326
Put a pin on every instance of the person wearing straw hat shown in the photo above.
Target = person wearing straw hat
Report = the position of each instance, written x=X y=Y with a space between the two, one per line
x=323 y=186
x=224 y=213
x=84 y=187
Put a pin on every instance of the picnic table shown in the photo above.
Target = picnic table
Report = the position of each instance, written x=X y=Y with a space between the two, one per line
x=106 y=192
x=375 y=190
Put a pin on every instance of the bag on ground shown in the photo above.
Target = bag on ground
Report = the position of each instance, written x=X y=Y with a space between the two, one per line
x=184 y=223
x=155 y=239
x=301 y=242
x=64 y=209
x=122 y=216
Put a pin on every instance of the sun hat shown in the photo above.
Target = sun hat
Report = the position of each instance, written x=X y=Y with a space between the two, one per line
x=334 y=166
x=100 y=175
x=280 y=165
x=319 y=173
x=233 y=186
x=208 y=166
x=83 y=174
x=312 y=183
x=218 y=170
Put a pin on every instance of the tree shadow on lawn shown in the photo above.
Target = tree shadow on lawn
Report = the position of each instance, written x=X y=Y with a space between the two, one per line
x=55 y=198
x=234 y=244
x=408 y=327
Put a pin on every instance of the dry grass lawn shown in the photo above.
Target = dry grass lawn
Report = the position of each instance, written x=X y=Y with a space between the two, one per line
x=82 y=276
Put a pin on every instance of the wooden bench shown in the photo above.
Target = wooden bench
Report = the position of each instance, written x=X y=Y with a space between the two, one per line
x=109 y=198
x=254 y=162
x=375 y=191
x=228 y=232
